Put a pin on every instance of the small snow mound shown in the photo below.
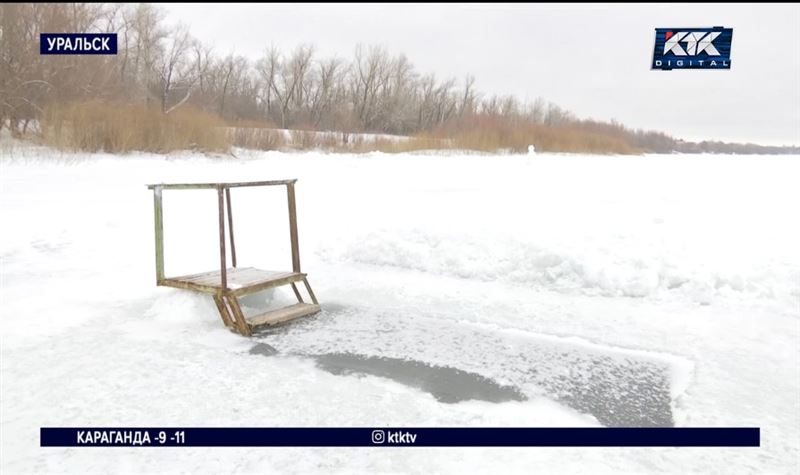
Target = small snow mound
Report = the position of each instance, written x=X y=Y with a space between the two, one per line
x=180 y=309
x=531 y=150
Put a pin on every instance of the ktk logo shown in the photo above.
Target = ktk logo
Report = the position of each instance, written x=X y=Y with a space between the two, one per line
x=692 y=48
x=696 y=43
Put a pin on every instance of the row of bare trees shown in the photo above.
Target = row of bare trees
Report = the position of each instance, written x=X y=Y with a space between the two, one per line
x=373 y=91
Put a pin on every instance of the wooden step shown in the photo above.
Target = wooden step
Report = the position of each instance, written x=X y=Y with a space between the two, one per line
x=273 y=317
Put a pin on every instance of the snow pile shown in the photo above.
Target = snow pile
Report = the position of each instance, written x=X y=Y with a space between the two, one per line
x=683 y=227
x=624 y=271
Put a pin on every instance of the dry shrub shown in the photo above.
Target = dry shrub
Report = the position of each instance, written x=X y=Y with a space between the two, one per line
x=483 y=133
x=260 y=136
x=492 y=133
x=257 y=138
x=118 y=127
x=251 y=123
x=304 y=139
x=398 y=145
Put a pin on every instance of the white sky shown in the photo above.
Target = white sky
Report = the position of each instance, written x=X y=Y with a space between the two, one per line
x=591 y=59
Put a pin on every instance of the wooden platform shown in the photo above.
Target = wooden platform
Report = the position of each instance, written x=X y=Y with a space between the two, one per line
x=241 y=281
x=281 y=315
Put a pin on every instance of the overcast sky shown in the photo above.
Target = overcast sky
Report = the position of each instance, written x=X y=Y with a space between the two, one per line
x=591 y=59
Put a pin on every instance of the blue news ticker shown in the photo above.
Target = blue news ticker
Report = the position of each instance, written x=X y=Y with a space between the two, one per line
x=399 y=437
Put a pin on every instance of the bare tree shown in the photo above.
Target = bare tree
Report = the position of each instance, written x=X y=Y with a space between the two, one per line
x=174 y=68
x=267 y=68
x=469 y=98
x=369 y=76
x=231 y=68
x=538 y=110
x=148 y=47
x=203 y=61
x=288 y=84
x=324 y=89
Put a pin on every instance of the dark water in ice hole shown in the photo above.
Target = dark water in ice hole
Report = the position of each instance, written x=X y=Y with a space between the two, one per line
x=617 y=396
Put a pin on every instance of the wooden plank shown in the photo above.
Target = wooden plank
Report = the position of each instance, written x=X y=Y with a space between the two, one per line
x=293 y=227
x=310 y=292
x=230 y=226
x=223 y=268
x=189 y=286
x=241 y=322
x=210 y=274
x=281 y=315
x=237 y=278
x=297 y=293
x=223 y=310
x=199 y=186
x=159 y=225
x=244 y=283
x=241 y=273
x=251 y=289
x=241 y=281
x=238 y=275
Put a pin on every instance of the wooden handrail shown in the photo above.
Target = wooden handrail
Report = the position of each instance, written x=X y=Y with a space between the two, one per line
x=198 y=186
x=223 y=267
x=293 y=227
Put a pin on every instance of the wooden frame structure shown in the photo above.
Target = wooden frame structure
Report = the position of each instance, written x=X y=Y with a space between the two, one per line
x=229 y=283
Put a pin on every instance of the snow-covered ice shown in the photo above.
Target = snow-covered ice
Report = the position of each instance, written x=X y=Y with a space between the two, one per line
x=551 y=275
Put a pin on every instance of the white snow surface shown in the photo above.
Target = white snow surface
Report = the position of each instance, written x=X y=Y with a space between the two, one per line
x=490 y=264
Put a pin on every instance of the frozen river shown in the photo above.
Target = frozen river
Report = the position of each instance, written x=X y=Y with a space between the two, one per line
x=458 y=290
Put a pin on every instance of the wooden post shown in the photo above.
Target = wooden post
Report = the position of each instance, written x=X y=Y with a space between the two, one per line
x=223 y=311
x=293 y=227
x=310 y=292
x=230 y=225
x=159 y=218
x=241 y=322
x=297 y=293
x=223 y=265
